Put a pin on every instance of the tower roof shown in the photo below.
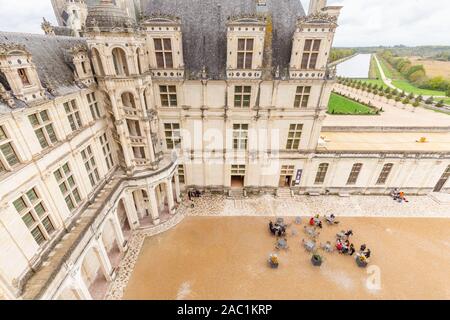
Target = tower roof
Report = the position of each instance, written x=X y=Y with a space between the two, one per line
x=106 y=16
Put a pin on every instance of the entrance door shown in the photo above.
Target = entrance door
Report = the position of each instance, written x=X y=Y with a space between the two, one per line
x=442 y=180
x=237 y=175
x=287 y=172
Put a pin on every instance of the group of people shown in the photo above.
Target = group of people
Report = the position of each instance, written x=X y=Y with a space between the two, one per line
x=343 y=244
x=277 y=229
x=315 y=221
x=194 y=194
x=398 y=195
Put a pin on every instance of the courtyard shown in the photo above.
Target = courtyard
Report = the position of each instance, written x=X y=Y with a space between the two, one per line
x=220 y=250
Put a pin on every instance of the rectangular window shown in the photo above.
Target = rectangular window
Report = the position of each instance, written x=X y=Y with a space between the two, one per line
x=181 y=173
x=354 y=174
x=238 y=170
x=168 y=96
x=68 y=186
x=302 y=97
x=23 y=77
x=321 y=173
x=90 y=165
x=163 y=52
x=35 y=216
x=294 y=136
x=242 y=96
x=43 y=128
x=310 y=54
x=240 y=136
x=8 y=157
x=387 y=168
x=93 y=106
x=73 y=114
x=173 y=135
x=107 y=153
x=245 y=53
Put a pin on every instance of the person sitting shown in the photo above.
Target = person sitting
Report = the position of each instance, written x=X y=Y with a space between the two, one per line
x=367 y=254
x=395 y=194
x=362 y=248
x=351 y=250
x=319 y=224
x=348 y=233
x=271 y=227
x=339 y=245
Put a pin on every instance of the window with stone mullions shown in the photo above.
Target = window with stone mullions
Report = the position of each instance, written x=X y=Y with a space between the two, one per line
x=73 y=115
x=43 y=128
x=242 y=95
x=163 y=52
x=240 y=136
x=168 y=96
x=90 y=165
x=354 y=173
x=245 y=53
x=238 y=170
x=302 y=97
x=310 y=54
x=173 y=135
x=93 y=106
x=181 y=177
x=294 y=136
x=321 y=173
x=8 y=157
x=68 y=186
x=387 y=168
x=35 y=215
x=107 y=151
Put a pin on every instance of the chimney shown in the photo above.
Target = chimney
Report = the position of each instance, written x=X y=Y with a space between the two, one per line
x=316 y=5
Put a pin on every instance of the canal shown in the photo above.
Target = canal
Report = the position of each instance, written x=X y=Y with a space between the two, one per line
x=356 y=67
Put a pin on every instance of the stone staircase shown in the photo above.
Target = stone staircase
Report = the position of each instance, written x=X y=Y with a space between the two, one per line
x=284 y=193
x=236 y=194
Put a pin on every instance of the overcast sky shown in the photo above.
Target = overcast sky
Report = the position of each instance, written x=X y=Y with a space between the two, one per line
x=362 y=22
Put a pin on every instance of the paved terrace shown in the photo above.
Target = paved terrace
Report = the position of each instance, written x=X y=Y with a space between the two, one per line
x=385 y=141
x=354 y=206
x=394 y=115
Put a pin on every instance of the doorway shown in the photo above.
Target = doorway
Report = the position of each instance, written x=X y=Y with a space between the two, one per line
x=287 y=172
x=237 y=176
x=442 y=180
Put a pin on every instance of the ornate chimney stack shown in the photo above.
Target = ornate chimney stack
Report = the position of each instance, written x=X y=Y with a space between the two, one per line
x=316 y=5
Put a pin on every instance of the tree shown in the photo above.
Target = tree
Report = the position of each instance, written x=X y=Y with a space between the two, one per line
x=440 y=104
x=405 y=101
x=429 y=100
x=419 y=98
x=411 y=96
x=403 y=94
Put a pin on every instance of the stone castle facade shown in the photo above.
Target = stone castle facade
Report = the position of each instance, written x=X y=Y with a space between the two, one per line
x=103 y=130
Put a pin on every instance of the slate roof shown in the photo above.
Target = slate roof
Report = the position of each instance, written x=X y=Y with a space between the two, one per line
x=50 y=56
x=204 y=29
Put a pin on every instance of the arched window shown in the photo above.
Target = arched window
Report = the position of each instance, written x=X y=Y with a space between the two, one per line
x=321 y=173
x=120 y=62
x=98 y=64
x=138 y=58
x=128 y=100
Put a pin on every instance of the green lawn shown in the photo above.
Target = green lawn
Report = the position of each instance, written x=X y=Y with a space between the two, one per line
x=374 y=73
x=408 y=87
x=342 y=105
x=401 y=83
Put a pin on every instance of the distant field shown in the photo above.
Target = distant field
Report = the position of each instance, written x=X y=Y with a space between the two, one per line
x=433 y=68
x=344 y=106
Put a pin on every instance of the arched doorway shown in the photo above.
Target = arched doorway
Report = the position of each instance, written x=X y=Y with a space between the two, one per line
x=94 y=274
x=111 y=243
x=98 y=64
x=120 y=62
x=123 y=219
x=68 y=294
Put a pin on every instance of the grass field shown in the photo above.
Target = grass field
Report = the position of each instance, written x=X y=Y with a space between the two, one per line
x=401 y=83
x=374 y=73
x=408 y=87
x=433 y=68
x=344 y=106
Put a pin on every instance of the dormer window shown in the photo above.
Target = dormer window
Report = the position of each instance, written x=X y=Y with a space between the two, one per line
x=310 y=54
x=163 y=51
x=245 y=53
x=23 y=76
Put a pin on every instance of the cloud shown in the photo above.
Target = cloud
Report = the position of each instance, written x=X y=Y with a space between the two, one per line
x=362 y=22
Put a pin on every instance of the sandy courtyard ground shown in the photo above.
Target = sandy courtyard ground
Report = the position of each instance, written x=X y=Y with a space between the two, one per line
x=226 y=258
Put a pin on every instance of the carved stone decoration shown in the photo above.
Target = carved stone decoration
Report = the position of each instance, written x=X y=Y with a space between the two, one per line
x=318 y=17
x=47 y=27
x=12 y=49
x=6 y=97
